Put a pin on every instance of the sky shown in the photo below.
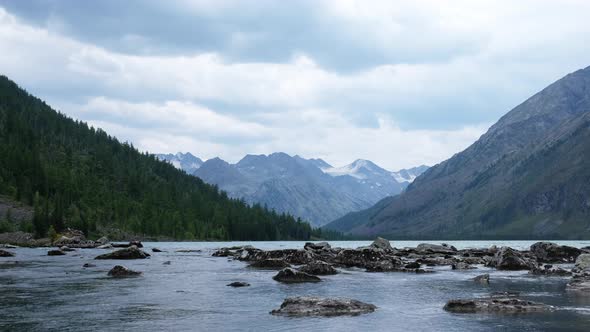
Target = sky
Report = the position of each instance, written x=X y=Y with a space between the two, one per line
x=401 y=83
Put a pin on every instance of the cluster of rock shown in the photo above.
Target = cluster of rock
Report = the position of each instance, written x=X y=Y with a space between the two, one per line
x=316 y=259
x=380 y=256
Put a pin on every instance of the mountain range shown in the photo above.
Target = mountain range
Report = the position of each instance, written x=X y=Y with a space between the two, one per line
x=311 y=189
x=528 y=177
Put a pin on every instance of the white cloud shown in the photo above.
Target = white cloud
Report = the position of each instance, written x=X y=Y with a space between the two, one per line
x=470 y=62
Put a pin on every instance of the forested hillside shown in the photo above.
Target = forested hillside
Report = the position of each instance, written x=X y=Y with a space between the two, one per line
x=78 y=176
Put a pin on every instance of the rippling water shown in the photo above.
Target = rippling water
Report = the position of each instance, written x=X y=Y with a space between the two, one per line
x=40 y=292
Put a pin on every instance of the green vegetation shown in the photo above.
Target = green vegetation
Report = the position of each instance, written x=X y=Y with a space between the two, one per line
x=80 y=177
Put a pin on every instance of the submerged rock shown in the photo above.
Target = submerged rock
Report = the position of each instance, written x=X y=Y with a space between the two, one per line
x=289 y=275
x=4 y=253
x=188 y=250
x=128 y=253
x=462 y=266
x=156 y=250
x=509 y=259
x=167 y=263
x=550 y=252
x=55 y=252
x=120 y=272
x=238 y=284
x=88 y=265
x=483 y=279
x=508 y=305
x=270 y=264
x=317 y=306
x=318 y=268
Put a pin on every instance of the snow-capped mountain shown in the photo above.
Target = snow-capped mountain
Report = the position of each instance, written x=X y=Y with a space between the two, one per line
x=184 y=161
x=308 y=188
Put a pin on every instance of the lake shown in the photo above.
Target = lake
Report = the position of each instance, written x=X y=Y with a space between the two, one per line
x=41 y=293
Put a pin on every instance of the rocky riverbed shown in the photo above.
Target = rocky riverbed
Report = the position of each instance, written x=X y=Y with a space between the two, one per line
x=404 y=286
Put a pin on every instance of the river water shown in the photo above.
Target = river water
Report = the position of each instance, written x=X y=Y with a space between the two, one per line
x=54 y=293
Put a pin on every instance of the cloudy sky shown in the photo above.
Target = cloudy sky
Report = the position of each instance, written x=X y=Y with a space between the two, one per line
x=401 y=83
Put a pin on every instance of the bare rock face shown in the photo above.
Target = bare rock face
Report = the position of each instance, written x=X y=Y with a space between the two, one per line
x=290 y=276
x=318 y=268
x=550 y=252
x=121 y=272
x=129 y=253
x=509 y=259
x=507 y=305
x=4 y=253
x=317 y=306
x=272 y=263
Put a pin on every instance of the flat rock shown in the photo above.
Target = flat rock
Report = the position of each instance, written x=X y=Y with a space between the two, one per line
x=55 y=252
x=318 y=268
x=238 y=284
x=4 y=253
x=129 y=253
x=271 y=263
x=188 y=250
x=289 y=275
x=317 y=306
x=121 y=272
x=436 y=248
x=507 y=305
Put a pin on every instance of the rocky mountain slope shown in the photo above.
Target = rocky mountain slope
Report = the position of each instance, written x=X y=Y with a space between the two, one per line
x=309 y=188
x=527 y=177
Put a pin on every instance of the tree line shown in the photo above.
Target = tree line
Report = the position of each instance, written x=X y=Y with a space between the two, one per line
x=78 y=176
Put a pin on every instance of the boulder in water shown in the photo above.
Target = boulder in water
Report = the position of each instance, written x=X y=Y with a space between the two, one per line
x=120 y=272
x=289 y=276
x=238 y=284
x=55 y=252
x=509 y=259
x=317 y=306
x=483 y=279
x=156 y=250
x=550 y=252
x=317 y=246
x=383 y=244
x=129 y=253
x=462 y=266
